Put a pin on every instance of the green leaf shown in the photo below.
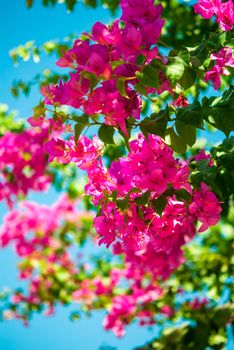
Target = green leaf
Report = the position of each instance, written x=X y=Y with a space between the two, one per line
x=140 y=59
x=156 y=124
x=177 y=142
x=222 y=314
x=175 y=69
x=79 y=127
x=191 y=115
x=217 y=40
x=149 y=76
x=106 y=133
x=219 y=111
x=199 y=54
x=62 y=275
x=187 y=132
x=121 y=86
x=84 y=119
x=39 y=110
x=143 y=199
x=159 y=204
x=188 y=78
x=141 y=89
x=122 y=203
x=183 y=195
x=184 y=54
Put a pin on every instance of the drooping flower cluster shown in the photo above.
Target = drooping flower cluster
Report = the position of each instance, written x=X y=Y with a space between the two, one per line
x=106 y=58
x=224 y=58
x=41 y=219
x=131 y=192
x=42 y=237
x=126 y=307
x=22 y=163
x=224 y=12
x=23 y=159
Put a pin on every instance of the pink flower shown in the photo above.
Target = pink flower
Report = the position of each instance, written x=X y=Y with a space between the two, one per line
x=197 y=304
x=214 y=76
x=105 y=225
x=206 y=8
x=225 y=15
x=69 y=93
x=205 y=206
x=203 y=156
x=223 y=57
x=116 y=108
x=181 y=101
x=145 y=16
x=23 y=162
x=224 y=12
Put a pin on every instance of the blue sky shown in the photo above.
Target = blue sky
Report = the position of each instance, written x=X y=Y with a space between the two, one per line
x=18 y=25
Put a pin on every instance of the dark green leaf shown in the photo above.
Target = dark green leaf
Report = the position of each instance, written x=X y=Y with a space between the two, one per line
x=143 y=199
x=191 y=115
x=149 y=76
x=140 y=59
x=188 y=78
x=106 y=133
x=177 y=143
x=187 y=132
x=183 y=194
x=79 y=127
x=122 y=203
x=84 y=119
x=121 y=86
x=199 y=55
x=159 y=204
x=184 y=54
x=156 y=124
x=219 y=111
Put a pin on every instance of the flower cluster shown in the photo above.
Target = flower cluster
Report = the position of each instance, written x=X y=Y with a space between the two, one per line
x=23 y=163
x=126 y=307
x=85 y=153
x=107 y=58
x=41 y=219
x=42 y=237
x=224 y=58
x=23 y=159
x=224 y=12
x=130 y=194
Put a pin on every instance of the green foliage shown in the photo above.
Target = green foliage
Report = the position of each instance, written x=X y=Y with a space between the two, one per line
x=31 y=50
x=220 y=175
x=45 y=78
x=8 y=121
x=207 y=269
x=219 y=111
